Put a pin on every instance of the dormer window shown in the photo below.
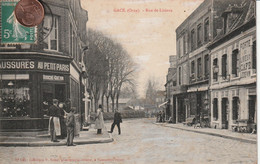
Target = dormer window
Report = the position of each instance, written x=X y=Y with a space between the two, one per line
x=230 y=16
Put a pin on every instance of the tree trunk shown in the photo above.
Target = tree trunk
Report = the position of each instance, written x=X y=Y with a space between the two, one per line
x=113 y=103
x=107 y=99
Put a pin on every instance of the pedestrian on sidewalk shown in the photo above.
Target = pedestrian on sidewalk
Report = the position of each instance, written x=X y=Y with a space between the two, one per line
x=163 y=116
x=54 y=122
x=70 y=123
x=160 y=116
x=62 y=120
x=117 y=121
x=99 y=120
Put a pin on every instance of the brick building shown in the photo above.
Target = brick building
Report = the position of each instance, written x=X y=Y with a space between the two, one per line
x=55 y=68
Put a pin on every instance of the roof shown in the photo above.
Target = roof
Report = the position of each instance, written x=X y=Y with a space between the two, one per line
x=245 y=15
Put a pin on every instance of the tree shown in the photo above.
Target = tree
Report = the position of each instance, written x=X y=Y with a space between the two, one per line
x=109 y=67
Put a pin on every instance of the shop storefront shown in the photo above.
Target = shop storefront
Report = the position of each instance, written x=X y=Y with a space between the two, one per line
x=28 y=87
x=234 y=108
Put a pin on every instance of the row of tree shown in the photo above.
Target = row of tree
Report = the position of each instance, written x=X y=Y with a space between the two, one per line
x=109 y=69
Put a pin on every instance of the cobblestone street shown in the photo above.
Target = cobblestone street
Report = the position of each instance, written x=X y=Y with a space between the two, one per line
x=142 y=142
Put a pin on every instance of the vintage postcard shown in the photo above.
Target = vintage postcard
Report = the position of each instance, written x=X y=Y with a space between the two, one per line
x=128 y=81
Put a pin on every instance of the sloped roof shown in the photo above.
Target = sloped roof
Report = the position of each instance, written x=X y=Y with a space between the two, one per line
x=245 y=15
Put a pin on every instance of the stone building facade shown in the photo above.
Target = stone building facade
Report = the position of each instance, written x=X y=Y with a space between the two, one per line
x=233 y=70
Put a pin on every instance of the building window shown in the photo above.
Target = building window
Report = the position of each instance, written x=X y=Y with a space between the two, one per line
x=215 y=69
x=199 y=68
x=179 y=75
x=71 y=40
x=224 y=66
x=235 y=107
x=181 y=48
x=199 y=37
x=185 y=43
x=206 y=30
x=192 y=40
x=193 y=68
x=51 y=42
x=15 y=95
x=254 y=55
x=206 y=66
x=215 y=109
x=235 y=63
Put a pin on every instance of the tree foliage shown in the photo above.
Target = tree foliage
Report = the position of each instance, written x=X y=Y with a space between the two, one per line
x=109 y=68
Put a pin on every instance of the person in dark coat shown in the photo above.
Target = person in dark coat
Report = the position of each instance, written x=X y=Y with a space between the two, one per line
x=117 y=121
x=54 y=122
x=70 y=123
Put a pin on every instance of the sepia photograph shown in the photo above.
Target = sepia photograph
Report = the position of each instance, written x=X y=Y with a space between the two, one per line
x=128 y=82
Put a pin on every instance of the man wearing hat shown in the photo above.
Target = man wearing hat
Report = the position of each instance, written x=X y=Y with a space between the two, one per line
x=54 y=122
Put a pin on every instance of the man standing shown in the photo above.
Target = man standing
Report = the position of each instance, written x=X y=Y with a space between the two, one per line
x=117 y=121
x=70 y=123
x=54 y=122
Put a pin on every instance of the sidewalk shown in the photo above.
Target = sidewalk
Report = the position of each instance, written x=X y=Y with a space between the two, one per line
x=85 y=137
x=224 y=133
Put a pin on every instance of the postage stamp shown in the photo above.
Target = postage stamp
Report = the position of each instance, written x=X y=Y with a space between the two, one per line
x=12 y=31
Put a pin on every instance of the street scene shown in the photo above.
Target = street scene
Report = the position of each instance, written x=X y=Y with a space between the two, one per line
x=142 y=141
x=128 y=81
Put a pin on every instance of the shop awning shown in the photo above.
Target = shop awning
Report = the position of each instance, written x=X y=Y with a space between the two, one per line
x=163 y=104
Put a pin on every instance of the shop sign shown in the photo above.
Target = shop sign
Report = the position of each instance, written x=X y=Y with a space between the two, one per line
x=17 y=64
x=245 y=58
x=53 y=78
x=50 y=66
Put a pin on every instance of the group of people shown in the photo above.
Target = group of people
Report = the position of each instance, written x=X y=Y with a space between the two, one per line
x=99 y=121
x=62 y=121
x=161 y=116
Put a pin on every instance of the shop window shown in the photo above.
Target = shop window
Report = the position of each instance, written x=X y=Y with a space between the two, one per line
x=74 y=93
x=50 y=23
x=224 y=66
x=14 y=96
x=199 y=35
x=235 y=63
x=206 y=30
x=215 y=69
x=206 y=66
x=235 y=107
x=199 y=69
x=215 y=109
x=192 y=40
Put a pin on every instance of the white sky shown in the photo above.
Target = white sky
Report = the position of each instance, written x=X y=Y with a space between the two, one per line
x=149 y=37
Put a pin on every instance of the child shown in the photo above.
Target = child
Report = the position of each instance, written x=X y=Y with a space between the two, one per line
x=70 y=123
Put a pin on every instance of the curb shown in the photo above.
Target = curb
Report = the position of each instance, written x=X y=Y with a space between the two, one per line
x=212 y=134
x=62 y=143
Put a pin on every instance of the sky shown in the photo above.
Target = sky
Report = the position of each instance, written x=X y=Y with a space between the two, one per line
x=145 y=28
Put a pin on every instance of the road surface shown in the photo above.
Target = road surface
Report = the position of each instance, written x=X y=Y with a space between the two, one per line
x=141 y=142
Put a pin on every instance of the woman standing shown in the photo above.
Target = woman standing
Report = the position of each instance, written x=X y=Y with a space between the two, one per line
x=99 y=122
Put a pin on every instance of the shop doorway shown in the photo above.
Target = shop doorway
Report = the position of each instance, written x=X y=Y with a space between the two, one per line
x=199 y=106
x=224 y=105
x=60 y=92
x=252 y=109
